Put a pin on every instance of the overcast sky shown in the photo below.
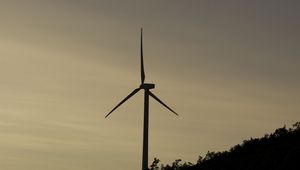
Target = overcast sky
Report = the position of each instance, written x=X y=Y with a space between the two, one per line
x=230 y=69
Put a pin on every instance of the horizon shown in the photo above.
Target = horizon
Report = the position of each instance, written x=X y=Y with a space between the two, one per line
x=230 y=69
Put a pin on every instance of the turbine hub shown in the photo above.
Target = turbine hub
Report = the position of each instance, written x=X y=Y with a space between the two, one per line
x=147 y=86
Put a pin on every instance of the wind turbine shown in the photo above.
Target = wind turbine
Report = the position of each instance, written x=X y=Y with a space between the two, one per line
x=146 y=87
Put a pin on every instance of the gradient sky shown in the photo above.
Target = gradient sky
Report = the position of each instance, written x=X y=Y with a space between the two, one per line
x=230 y=69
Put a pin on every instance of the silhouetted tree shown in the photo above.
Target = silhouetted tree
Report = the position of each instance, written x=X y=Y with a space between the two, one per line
x=154 y=165
x=278 y=151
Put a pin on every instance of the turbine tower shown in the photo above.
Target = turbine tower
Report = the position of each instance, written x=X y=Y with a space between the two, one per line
x=146 y=87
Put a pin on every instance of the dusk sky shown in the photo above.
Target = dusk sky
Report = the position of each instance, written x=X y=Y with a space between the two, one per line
x=229 y=68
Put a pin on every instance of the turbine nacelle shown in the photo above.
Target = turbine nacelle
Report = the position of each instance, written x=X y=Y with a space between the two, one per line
x=147 y=86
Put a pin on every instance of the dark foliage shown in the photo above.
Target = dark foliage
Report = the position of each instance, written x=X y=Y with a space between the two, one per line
x=277 y=151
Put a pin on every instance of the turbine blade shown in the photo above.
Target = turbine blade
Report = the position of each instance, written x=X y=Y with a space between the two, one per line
x=142 y=59
x=157 y=99
x=124 y=100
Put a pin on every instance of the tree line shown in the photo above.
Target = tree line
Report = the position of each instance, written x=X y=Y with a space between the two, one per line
x=276 y=151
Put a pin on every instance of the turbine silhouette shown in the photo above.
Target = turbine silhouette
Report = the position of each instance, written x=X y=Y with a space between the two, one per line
x=146 y=87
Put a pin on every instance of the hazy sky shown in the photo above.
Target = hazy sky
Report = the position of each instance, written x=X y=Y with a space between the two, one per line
x=230 y=69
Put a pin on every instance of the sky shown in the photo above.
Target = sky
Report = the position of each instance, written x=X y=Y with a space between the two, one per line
x=229 y=68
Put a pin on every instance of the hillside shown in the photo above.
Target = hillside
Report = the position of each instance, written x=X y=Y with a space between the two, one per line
x=277 y=151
